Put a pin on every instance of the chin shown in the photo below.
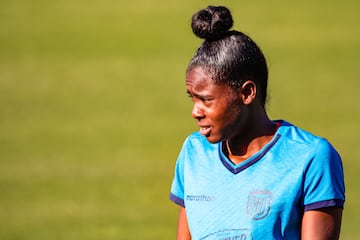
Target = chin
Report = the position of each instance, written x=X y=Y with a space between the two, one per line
x=212 y=139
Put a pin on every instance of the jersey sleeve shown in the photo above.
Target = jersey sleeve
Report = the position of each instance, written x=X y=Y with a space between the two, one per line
x=177 y=187
x=324 y=178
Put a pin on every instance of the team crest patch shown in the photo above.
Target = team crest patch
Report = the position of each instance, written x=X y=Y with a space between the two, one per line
x=259 y=204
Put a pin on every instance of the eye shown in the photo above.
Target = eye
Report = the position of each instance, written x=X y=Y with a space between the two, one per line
x=189 y=95
x=206 y=99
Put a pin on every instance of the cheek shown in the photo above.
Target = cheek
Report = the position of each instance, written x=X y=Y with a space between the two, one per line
x=228 y=115
x=231 y=117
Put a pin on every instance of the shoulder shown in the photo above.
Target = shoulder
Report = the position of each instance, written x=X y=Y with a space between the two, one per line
x=297 y=140
x=196 y=145
x=196 y=139
x=303 y=137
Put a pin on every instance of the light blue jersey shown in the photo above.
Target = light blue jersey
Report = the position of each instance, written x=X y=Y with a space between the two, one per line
x=263 y=197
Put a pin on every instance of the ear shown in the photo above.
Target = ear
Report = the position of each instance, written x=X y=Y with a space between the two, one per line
x=248 y=92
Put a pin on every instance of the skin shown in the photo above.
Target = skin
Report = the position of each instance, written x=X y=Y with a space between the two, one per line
x=228 y=114
x=322 y=224
x=237 y=116
x=183 y=232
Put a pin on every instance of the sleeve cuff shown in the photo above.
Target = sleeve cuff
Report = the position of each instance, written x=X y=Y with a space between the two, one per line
x=323 y=204
x=177 y=200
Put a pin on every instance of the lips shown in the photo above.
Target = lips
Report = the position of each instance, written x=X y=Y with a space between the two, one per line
x=205 y=130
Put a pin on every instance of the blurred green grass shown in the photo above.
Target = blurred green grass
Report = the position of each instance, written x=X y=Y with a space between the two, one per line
x=93 y=109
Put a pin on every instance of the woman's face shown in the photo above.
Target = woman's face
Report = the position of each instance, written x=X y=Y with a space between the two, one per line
x=218 y=109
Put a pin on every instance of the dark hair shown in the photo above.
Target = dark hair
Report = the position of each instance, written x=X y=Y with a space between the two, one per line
x=230 y=57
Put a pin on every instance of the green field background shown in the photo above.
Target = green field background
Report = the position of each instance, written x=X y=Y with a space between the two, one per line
x=93 y=107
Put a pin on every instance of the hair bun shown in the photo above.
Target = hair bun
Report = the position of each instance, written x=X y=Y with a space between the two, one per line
x=212 y=22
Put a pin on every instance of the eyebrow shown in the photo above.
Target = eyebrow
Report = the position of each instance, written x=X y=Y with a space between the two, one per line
x=191 y=94
x=197 y=95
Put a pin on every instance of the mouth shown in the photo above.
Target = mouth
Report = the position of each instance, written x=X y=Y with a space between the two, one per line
x=205 y=130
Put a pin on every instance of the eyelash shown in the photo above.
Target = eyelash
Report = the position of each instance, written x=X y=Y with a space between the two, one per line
x=202 y=99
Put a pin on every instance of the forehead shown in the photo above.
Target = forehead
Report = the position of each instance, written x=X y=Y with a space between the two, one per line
x=199 y=79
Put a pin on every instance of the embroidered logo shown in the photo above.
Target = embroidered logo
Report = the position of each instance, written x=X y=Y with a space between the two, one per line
x=259 y=204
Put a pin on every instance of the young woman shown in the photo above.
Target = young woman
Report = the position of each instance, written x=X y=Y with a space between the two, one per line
x=244 y=176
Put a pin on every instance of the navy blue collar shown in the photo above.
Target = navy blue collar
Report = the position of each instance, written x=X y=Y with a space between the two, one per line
x=235 y=169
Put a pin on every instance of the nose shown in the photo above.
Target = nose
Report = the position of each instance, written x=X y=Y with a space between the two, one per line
x=196 y=112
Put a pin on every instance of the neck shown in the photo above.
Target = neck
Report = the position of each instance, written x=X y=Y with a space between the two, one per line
x=249 y=142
